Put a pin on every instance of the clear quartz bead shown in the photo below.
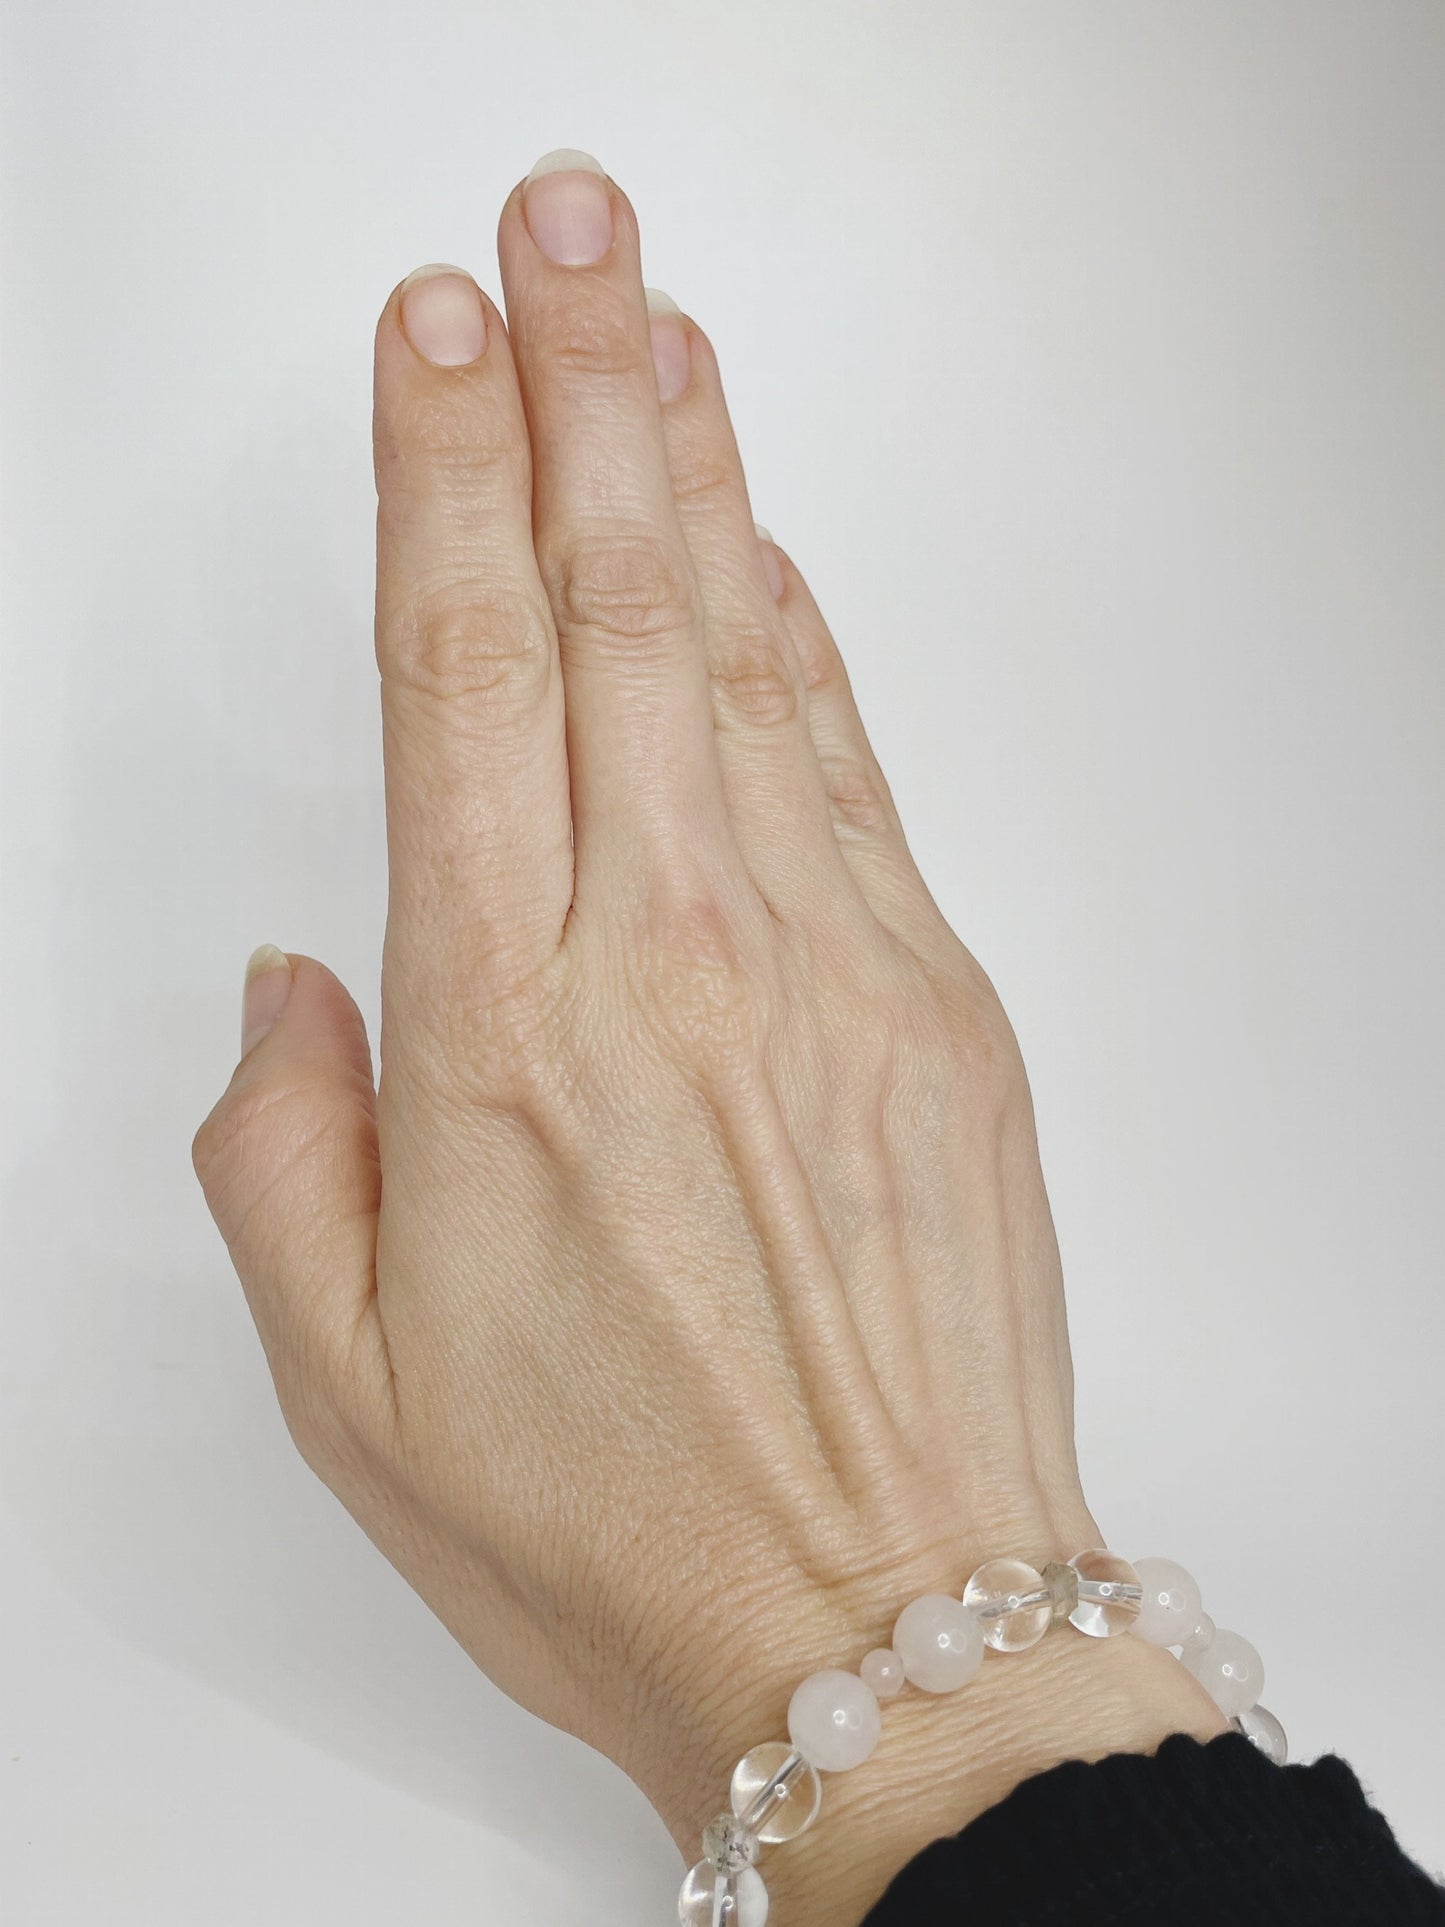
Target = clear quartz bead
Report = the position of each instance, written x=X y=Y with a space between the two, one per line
x=712 y=1899
x=1170 y=1608
x=1109 y=1594
x=1229 y=1670
x=882 y=1673
x=834 y=1721
x=1012 y=1602
x=1260 y=1727
x=775 y=1793
x=939 y=1641
x=728 y=1845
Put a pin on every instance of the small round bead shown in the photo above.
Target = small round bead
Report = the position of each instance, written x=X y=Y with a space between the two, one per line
x=728 y=1845
x=939 y=1641
x=1229 y=1670
x=882 y=1673
x=1111 y=1615
x=1260 y=1727
x=1170 y=1608
x=834 y=1721
x=1063 y=1584
x=994 y=1596
x=1199 y=1638
x=697 y=1903
x=786 y=1816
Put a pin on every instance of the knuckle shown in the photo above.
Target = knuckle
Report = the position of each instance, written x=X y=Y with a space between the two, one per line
x=868 y=1061
x=208 y=1147
x=490 y=1037
x=592 y=355
x=818 y=660
x=705 y=980
x=252 y=1138
x=630 y=589
x=590 y=336
x=977 y=1038
x=924 y=1052
x=855 y=795
x=220 y=1146
x=755 y=682
x=469 y=638
x=699 y=474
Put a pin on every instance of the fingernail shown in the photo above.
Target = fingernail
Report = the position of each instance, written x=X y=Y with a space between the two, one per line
x=568 y=206
x=442 y=315
x=268 y=985
x=671 y=355
x=772 y=568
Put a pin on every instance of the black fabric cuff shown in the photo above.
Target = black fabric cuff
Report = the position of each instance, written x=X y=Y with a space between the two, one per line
x=1194 y=1834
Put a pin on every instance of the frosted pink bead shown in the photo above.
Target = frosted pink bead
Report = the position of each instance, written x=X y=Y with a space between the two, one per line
x=882 y=1673
x=1202 y=1634
x=1229 y=1670
x=939 y=1642
x=1170 y=1608
x=834 y=1721
x=1260 y=1727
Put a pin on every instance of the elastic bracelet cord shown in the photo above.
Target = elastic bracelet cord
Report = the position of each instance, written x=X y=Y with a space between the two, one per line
x=939 y=1642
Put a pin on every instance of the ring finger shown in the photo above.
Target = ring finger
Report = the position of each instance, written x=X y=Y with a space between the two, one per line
x=774 y=788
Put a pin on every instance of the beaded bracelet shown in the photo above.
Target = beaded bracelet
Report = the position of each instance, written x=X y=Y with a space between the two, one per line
x=834 y=1718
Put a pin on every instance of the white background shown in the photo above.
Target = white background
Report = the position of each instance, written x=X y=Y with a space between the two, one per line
x=1089 y=360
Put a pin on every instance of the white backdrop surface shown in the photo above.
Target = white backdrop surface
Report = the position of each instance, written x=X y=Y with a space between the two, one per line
x=1091 y=361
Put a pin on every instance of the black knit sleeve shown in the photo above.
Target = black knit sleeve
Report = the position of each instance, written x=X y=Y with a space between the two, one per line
x=1195 y=1835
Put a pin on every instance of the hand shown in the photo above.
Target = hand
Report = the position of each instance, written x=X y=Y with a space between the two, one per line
x=687 y=1300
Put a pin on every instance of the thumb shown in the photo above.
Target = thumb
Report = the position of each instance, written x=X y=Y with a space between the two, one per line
x=289 y=1164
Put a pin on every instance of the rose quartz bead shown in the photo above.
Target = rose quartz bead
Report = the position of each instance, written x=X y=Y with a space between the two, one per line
x=1260 y=1727
x=882 y=1673
x=939 y=1642
x=1229 y=1670
x=834 y=1721
x=1170 y=1608
x=1200 y=1637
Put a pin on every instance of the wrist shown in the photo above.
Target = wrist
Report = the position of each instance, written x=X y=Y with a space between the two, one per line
x=944 y=1759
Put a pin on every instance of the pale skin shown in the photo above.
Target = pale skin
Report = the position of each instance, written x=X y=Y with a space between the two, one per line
x=685 y=1301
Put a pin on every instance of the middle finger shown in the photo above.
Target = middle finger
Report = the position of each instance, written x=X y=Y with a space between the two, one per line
x=646 y=791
